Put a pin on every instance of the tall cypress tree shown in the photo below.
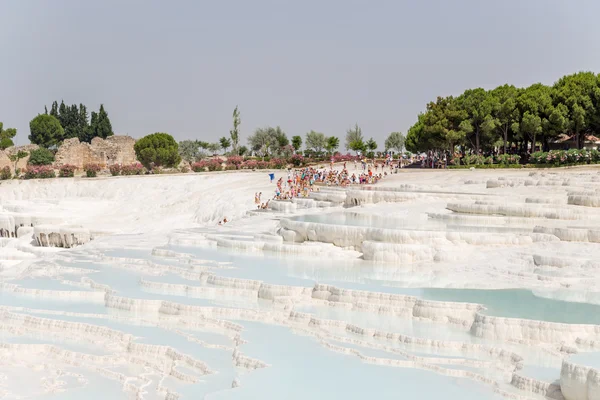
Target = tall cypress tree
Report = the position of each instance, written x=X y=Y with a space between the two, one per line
x=54 y=109
x=104 y=128
x=82 y=123
x=63 y=112
x=70 y=121
x=90 y=132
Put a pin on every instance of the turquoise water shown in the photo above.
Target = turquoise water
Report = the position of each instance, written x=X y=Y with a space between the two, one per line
x=338 y=376
x=590 y=359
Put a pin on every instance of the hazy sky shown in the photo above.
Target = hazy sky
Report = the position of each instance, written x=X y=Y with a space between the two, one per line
x=181 y=66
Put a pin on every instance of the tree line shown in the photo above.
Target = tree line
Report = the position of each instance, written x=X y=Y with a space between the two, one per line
x=274 y=142
x=510 y=119
x=62 y=122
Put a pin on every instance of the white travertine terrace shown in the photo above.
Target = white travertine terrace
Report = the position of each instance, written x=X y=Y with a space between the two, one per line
x=465 y=275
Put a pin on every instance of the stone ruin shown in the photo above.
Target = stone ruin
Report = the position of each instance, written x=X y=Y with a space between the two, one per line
x=22 y=163
x=113 y=150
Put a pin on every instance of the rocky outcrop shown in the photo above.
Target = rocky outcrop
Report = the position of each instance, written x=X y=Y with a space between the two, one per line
x=113 y=150
x=55 y=236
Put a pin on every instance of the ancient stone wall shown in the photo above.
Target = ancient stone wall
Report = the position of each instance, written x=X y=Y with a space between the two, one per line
x=22 y=164
x=113 y=150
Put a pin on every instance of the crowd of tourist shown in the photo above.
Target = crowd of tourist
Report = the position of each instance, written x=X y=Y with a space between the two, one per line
x=301 y=182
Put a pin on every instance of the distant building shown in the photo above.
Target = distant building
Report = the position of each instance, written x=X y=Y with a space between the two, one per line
x=565 y=142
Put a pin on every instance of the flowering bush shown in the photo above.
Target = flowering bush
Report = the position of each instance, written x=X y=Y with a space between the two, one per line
x=297 y=160
x=5 y=173
x=250 y=164
x=91 y=170
x=508 y=159
x=236 y=161
x=215 y=164
x=262 y=164
x=67 y=171
x=561 y=157
x=278 y=163
x=337 y=157
x=230 y=168
x=39 y=172
x=115 y=169
x=132 y=169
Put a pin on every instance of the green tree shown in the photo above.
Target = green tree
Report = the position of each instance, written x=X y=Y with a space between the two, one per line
x=506 y=112
x=225 y=143
x=281 y=138
x=357 y=145
x=297 y=142
x=82 y=123
x=263 y=140
x=103 y=126
x=63 y=114
x=395 y=141
x=6 y=136
x=371 y=145
x=531 y=125
x=54 y=109
x=46 y=131
x=16 y=157
x=157 y=150
x=242 y=150
x=332 y=144
x=234 y=133
x=479 y=106
x=535 y=100
x=214 y=147
x=316 y=141
x=41 y=156
x=580 y=93
x=189 y=150
x=354 y=138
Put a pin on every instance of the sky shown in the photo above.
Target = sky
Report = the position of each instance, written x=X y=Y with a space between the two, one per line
x=182 y=66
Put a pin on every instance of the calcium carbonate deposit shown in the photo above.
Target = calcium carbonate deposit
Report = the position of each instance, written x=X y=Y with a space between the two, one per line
x=428 y=285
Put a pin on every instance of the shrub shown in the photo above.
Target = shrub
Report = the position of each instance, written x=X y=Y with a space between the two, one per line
x=559 y=158
x=5 y=173
x=214 y=164
x=230 y=168
x=132 y=169
x=508 y=159
x=41 y=156
x=157 y=150
x=278 y=163
x=199 y=166
x=262 y=165
x=236 y=161
x=184 y=169
x=115 y=169
x=39 y=172
x=91 y=170
x=297 y=160
x=250 y=164
x=67 y=171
